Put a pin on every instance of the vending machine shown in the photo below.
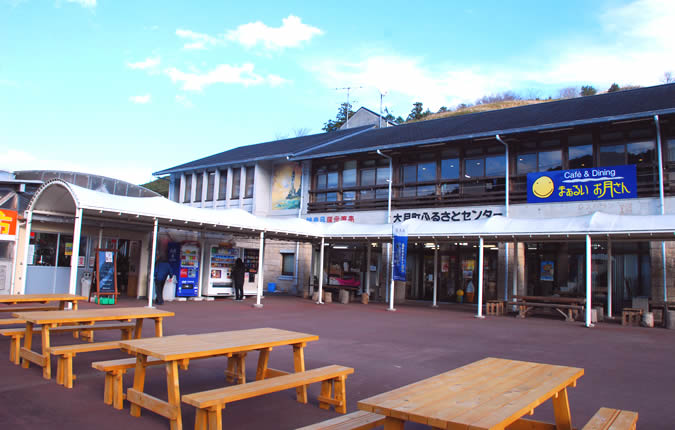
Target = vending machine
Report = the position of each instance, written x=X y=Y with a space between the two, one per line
x=251 y=269
x=184 y=261
x=221 y=262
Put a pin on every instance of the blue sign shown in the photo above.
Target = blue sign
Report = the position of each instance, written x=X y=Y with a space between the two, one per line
x=400 y=252
x=598 y=183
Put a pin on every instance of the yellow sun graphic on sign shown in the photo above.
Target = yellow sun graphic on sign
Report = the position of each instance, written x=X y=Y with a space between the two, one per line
x=543 y=187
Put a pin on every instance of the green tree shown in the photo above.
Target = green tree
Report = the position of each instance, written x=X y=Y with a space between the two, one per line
x=416 y=112
x=588 y=90
x=340 y=119
x=614 y=88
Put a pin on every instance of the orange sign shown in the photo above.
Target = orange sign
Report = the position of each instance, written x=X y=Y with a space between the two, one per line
x=8 y=221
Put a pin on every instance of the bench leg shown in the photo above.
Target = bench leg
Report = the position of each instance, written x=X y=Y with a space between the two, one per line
x=340 y=395
x=68 y=371
x=326 y=392
x=126 y=333
x=118 y=389
x=229 y=373
x=215 y=418
x=108 y=388
x=299 y=366
x=27 y=343
x=201 y=422
x=14 y=348
x=47 y=370
x=263 y=359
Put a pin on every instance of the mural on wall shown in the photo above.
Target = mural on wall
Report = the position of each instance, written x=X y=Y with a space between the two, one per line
x=286 y=186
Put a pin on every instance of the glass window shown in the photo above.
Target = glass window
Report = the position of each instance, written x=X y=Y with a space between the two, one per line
x=44 y=249
x=211 y=181
x=580 y=157
x=641 y=152
x=410 y=174
x=349 y=195
x=449 y=189
x=321 y=197
x=187 y=194
x=287 y=264
x=612 y=155
x=66 y=249
x=474 y=167
x=550 y=160
x=366 y=194
x=331 y=197
x=383 y=175
x=332 y=180
x=367 y=177
x=222 y=185
x=494 y=165
x=200 y=184
x=349 y=174
x=670 y=145
x=321 y=180
x=236 y=182
x=250 y=177
x=426 y=172
x=526 y=163
x=426 y=190
x=450 y=168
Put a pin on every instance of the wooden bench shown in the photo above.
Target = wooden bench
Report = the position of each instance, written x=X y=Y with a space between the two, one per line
x=28 y=308
x=631 y=316
x=359 y=420
x=113 y=391
x=65 y=353
x=11 y=321
x=494 y=307
x=210 y=403
x=570 y=316
x=87 y=330
x=612 y=419
x=16 y=334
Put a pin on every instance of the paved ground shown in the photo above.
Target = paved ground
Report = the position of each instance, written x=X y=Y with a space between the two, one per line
x=627 y=368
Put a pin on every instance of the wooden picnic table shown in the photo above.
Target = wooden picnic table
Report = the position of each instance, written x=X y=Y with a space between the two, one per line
x=179 y=350
x=568 y=307
x=14 y=299
x=492 y=393
x=49 y=319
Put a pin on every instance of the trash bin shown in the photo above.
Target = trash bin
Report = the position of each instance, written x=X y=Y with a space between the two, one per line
x=271 y=287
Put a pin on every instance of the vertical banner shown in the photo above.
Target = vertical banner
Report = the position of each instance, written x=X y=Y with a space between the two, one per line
x=400 y=251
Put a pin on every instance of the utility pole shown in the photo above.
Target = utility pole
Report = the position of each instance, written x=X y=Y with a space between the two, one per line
x=382 y=94
x=347 y=113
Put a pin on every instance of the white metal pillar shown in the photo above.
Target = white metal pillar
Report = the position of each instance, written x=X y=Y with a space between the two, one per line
x=435 y=304
x=480 y=278
x=391 y=287
x=202 y=264
x=261 y=258
x=320 y=301
x=369 y=252
x=610 y=277
x=151 y=275
x=26 y=247
x=589 y=278
x=100 y=237
x=77 y=230
x=516 y=262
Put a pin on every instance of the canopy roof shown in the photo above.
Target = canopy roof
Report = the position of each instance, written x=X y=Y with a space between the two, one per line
x=59 y=198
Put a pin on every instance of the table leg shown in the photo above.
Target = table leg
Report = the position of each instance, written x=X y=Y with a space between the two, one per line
x=158 y=327
x=174 y=393
x=139 y=328
x=139 y=379
x=47 y=369
x=27 y=343
x=391 y=423
x=299 y=366
x=263 y=359
x=561 y=411
x=74 y=302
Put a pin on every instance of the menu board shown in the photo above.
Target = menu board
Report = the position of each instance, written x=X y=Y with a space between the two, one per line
x=106 y=271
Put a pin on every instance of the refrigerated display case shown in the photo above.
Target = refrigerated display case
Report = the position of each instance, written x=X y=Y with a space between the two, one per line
x=184 y=261
x=221 y=262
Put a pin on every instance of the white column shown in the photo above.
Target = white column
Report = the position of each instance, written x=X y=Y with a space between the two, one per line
x=193 y=188
x=391 y=271
x=435 y=304
x=589 y=278
x=369 y=252
x=480 y=278
x=663 y=264
x=181 y=189
x=26 y=247
x=242 y=186
x=320 y=302
x=202 y=245
x=205 y=187
x=100 y=237
x=261 y=265
x=610 y=276
x=77 y=230
x=516 y=263
x=151 y=275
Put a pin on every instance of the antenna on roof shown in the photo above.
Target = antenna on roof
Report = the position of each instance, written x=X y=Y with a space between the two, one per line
x=382 y=94
x=347 y=113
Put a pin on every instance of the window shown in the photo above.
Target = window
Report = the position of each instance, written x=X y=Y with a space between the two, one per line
x=670 y=147
x=236 y=183
x=550 y=160
x=580 y=157
x=250 y=175
x=44 y=249
x=187 y=192
x=175 y=185
x=222 y=185
x=424 y=171
x=495 y=165
x=209 y=186
x=612 y=155
x=200 y=183
x=349 y=174
x=287 y=264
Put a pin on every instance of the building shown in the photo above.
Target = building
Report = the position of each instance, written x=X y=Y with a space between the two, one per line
x=463 y=168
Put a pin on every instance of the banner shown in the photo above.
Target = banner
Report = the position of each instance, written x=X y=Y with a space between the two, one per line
x=599 y=183
x=400 y=251
x=8 y=222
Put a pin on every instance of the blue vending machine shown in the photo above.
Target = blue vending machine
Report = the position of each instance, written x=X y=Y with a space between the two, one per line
x=184 y=261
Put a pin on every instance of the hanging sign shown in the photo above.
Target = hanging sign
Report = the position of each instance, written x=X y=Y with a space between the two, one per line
x=8 y=222
x=400 y=251
x=598 y=183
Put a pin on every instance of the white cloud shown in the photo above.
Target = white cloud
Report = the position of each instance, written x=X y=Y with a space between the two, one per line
x=140 y=100
x=223 y=74
x=184 y=101
x=14 y=160
x=84 y=3
x=148 y=63
x=291 y=33
x=199 y=40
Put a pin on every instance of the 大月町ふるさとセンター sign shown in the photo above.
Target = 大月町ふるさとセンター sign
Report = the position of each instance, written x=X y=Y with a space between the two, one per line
x=598 y=183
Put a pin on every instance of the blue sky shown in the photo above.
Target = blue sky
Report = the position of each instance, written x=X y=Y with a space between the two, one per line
x=127 y=88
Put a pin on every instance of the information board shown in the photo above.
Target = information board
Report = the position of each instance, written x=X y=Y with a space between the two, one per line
x=106 y=271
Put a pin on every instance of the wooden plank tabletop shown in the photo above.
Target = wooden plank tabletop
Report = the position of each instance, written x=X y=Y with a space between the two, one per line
x=108 y=314
x=208 y=344
x=488 y=394
x=33 y=298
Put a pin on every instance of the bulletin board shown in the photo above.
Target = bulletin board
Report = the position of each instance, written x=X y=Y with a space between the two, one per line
x=105 y=272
